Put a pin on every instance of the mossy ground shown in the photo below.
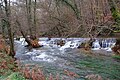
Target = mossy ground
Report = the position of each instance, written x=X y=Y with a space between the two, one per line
x=8 y=68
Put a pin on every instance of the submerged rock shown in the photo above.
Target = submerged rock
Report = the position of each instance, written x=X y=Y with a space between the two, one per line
x=60 y=42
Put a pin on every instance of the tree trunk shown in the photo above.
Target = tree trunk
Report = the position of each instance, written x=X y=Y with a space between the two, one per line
x=32 y=41
x=10 y=34
x=29 y=16
x=35 y=23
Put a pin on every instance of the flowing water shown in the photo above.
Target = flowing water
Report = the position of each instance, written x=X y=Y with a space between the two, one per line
x=55 y=59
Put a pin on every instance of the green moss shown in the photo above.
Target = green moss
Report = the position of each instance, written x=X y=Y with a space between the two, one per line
x=14 y=76
x=116 y=16
x=116 y=57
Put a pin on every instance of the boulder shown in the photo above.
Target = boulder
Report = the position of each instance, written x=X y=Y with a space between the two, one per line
x=86 y=45
x=32 y=42
x=116 y=48
x=61 y=42
x=17 y=38
x=35 y=43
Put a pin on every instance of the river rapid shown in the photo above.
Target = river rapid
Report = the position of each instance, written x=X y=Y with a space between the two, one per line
x=55 y=59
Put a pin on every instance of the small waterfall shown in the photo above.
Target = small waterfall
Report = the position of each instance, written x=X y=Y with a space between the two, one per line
x=105 y=44
x=23 y=42
x=67 y=45
x=71 y=43
x=96 y=45
x=50 y=49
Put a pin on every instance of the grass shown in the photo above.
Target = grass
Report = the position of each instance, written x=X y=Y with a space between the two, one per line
x=13 y=76
x=116 y=57
x=106 y=67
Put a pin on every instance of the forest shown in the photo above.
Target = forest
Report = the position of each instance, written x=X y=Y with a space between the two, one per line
x=59 y=39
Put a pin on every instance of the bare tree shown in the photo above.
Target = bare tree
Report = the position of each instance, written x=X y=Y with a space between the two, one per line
x=35 y=21
x=8 y=24
x=29 y=15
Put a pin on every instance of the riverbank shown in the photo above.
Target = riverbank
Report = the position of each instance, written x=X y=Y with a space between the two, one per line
x=8 y=68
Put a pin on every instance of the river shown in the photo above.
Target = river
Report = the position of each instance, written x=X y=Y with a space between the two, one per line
x=55 y=59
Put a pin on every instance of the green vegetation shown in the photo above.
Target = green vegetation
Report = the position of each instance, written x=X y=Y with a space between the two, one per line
x=7 y=65
x=116 y=57
x=102 y=66
x=8 y=68
x=14 y=76
x=116 y=15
